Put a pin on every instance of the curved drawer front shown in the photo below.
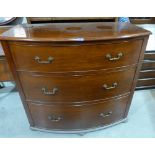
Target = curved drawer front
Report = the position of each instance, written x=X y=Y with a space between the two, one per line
x=82 y=117
x=45 y=88
x=45 y=58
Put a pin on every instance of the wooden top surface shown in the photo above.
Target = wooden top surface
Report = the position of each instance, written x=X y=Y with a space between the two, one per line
x=59 y=32
x=151 y=41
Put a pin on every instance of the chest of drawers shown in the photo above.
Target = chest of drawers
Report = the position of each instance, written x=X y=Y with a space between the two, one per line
x=75 y=77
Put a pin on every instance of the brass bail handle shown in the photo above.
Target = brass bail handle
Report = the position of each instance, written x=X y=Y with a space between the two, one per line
x=103 y=115
x=49 y=60
x=54 y=118
x=52 y=92
x=114 y=85
x=110 y=58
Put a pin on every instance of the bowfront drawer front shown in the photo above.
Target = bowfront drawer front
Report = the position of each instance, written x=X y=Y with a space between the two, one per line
x=150 y=82
x=47 y=58
x=82 y=117
x=68 y=89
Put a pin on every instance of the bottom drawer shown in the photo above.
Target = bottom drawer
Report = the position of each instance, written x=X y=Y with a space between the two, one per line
x=78 y=117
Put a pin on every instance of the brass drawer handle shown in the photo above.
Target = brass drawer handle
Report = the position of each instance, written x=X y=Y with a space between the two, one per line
x=106 y=115
x=114 y=85
x=54 y=118
x=38 y=60
x=109 y=57
x=52 y=92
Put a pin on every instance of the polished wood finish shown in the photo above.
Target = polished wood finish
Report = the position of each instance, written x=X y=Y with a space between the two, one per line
x=81 y=82
x=146 y=82
x=68 y=58
x=73 y=32
x=80 y=117
x=148 y=65
x=5 y=28
x=88 y=87
x=146 y=74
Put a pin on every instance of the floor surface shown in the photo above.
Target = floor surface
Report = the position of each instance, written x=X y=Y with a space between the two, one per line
x=141 y=120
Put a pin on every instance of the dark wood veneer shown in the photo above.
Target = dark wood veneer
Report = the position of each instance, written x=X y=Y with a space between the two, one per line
x=144 y=74
x=74 y=58
x=88 y=87
x=79 y=117
x=79 y=70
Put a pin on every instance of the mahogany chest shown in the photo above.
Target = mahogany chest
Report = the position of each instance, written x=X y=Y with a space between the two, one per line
x=75 y=77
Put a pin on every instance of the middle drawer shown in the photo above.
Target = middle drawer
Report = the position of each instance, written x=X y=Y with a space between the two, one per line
x=84 y=88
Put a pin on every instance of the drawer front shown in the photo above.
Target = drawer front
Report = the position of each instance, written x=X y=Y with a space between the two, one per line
x=5 y=73
x=148 y=65
x=147 y=74
x=76 y=88
x=146 y=83
x=149 y=56
x=45 y=58
x=82 y=117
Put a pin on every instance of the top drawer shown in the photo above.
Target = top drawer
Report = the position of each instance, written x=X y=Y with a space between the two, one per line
x=47 y=58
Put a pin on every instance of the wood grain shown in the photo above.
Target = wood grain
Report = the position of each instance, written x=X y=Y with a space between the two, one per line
x=74 y=58
x=146 y=82
x=147 y=74
x=88 y=87
x=148 y=65
x=68 y=32
x=79 y=71
x=77 y=118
